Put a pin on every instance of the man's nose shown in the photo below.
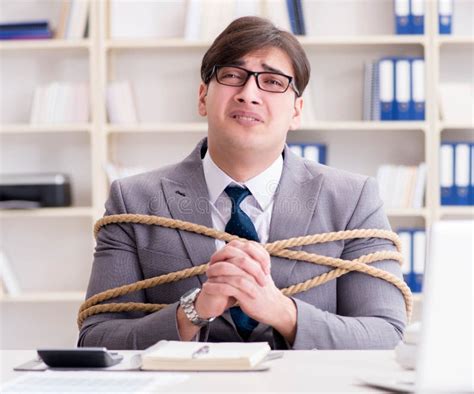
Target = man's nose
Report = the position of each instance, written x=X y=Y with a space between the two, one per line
x=250 y=92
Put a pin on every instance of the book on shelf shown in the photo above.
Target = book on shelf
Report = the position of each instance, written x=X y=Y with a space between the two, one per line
x=413 y=242
x=157 y=19
x=25 y=30
x=73 y=20
x=394 y=89
x=314 y=152
x=409 y=17
x=456 y=102
x=456 y=161
x=198 y=19
x=8 y=278
x=199 y=356
x=120 y=99
x=277 y=11
x=402 y=186
x=204 y=20
x=60 y=102
x=445 y=16
x=308 y=114
x=295 y=15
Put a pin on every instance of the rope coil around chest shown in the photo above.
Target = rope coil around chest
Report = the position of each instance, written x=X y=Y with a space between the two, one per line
x=92 y=305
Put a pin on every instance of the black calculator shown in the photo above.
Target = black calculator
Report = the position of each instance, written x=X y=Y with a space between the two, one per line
x=81 y=357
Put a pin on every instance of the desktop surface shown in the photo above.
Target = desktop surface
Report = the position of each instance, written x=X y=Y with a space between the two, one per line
x=297 y=371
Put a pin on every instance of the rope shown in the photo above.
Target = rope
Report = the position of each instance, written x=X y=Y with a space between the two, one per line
x=278 y=248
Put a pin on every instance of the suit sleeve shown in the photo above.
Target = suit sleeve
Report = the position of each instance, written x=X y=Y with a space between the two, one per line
x=115 y=264
x=371 y=312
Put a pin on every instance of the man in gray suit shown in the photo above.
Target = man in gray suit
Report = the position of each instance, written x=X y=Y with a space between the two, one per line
x=243 y=179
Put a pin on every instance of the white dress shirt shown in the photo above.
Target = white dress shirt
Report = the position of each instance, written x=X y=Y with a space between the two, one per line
x=258 y=206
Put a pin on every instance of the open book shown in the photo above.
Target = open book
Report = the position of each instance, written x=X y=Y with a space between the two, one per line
x=199 y=356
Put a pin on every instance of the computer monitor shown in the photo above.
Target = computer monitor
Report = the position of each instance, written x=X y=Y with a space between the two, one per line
x=445 y=357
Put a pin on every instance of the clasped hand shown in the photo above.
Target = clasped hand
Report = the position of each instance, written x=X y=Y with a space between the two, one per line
x=240 y=272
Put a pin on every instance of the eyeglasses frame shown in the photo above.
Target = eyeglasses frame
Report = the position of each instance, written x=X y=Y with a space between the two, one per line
x=255 y=74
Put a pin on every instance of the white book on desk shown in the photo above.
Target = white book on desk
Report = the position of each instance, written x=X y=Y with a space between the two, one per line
x=198 y=356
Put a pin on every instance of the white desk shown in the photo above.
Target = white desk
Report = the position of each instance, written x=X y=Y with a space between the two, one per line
x=297 y=371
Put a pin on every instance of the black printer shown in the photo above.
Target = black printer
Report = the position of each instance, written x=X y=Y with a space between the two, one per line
x=35 y=190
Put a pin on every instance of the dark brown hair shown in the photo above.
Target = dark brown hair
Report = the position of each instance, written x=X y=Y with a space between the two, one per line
x=251 y=33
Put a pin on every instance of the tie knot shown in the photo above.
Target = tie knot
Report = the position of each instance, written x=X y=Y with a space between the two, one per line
x=237 y=194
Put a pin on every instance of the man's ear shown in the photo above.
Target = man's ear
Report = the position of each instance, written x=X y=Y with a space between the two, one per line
x=297 y=110
x=202 y=99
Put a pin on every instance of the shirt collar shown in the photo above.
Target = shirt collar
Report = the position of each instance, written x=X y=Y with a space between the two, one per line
x=262 y=186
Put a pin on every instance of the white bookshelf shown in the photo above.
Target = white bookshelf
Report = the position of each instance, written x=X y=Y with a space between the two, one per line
x=54 y=44
x=73 y=212
x=163 y=72
x=45 y=297
x=44 y=128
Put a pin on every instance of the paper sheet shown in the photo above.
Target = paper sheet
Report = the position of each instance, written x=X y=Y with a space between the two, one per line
x=91 y=382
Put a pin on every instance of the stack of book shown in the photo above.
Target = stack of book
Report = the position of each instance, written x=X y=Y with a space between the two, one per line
x=314 y=152
x=60 y=102
x=199 y=19
x=26 y=30
x=394 y=89
x=402 y=186
x=413 y=242
x=457 y=173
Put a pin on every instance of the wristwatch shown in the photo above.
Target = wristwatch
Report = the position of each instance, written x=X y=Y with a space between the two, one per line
x=187 y=303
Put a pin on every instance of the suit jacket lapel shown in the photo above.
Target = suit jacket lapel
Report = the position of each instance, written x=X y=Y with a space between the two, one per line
x=188 y=199
x=294 y=207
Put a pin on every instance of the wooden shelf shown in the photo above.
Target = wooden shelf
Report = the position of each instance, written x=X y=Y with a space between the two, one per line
x=306 y=41
x=190 y=127
x=454 y=40
x=406 y=212
x=365 y=126
x=44 y=128
x=36 y=297
x=457 y=210
x=18 y=45
x=200 y=127
x=47 y=212
x=455 y=126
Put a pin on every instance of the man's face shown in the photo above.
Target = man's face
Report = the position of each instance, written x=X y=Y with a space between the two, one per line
x=247 y=117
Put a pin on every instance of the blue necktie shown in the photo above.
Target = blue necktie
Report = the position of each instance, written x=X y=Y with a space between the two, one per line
x=240 y=224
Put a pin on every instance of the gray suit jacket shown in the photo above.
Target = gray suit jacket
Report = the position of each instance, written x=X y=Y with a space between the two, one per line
x=355 y=311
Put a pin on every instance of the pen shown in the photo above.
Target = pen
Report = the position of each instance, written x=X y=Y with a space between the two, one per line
x=202 y=350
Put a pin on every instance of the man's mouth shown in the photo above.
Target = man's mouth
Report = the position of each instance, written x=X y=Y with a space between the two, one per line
x=246 y=116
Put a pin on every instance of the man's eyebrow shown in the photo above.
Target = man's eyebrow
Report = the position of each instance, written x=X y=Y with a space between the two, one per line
x=272 y=69
x=265 y=66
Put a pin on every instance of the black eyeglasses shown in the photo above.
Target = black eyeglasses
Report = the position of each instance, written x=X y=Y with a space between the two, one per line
x=267 y=81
